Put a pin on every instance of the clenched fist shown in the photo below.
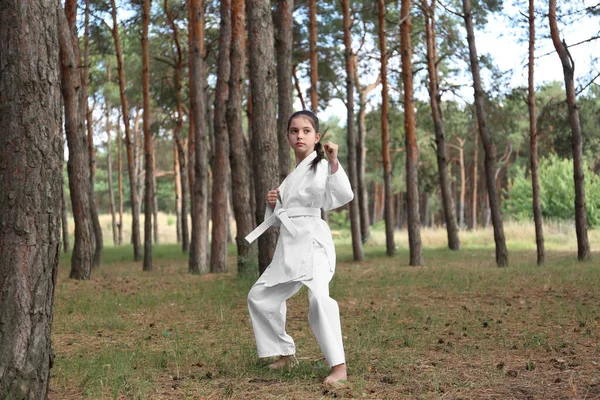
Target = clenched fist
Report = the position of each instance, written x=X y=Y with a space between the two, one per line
x=272 y=197
x=331 y=149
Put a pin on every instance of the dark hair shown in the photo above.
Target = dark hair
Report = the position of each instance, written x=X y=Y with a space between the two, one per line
x=314 y=121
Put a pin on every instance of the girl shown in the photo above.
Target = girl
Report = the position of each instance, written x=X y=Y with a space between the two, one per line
x=305 y=254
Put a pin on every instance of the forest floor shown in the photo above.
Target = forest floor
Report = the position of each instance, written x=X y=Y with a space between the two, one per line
x=456 y=328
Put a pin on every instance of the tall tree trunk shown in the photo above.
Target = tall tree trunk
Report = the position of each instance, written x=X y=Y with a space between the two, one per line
x=31 y=180
x=583 y=244
x=283 y=46
x=357 y=249
x=238 y=157
x=78 y=166
x=65 y=223
x=183 y=173
x=218 y=253
x=264 y=123
x=120 y=179
x=135 y=213
x=361 y=153
x=385 y=137
x=314 y=70
x=148 y=147
x=177 y=191
x=537 y=208
x=111 y=195
x=154 y=202
x=440 y=134
x=191 y=128
x=198 y=245
x=410 y=129
x=488 y=145
x=475 y=181
x=463 y=180
x=99 y=240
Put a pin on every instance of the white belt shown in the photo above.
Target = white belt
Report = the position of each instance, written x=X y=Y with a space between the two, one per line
x=284 y=216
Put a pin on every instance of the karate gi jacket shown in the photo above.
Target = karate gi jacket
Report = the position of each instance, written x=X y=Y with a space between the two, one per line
x=306 y=189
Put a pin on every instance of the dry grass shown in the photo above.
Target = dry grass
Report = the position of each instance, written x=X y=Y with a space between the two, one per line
x=457 y=328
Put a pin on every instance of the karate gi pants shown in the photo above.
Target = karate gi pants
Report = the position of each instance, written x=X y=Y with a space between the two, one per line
x=268 y=310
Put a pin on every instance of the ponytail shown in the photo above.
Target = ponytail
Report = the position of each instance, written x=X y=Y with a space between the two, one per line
x=320 y=156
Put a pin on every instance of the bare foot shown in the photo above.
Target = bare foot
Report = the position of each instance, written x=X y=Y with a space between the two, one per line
x=338 y=376
x=284 y=362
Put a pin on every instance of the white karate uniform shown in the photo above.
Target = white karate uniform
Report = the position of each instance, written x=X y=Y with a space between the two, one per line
x=305 y=255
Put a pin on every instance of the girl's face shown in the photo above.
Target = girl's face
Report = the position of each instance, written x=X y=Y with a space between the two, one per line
x=302 y=136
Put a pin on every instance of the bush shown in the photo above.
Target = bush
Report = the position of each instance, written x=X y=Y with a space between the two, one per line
x=557 y=192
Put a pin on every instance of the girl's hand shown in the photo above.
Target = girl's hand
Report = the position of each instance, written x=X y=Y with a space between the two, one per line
x=272 y=196
x=331 y=149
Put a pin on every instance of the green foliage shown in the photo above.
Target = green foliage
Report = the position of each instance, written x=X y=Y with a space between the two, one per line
x=557 y=192
x=339 y=220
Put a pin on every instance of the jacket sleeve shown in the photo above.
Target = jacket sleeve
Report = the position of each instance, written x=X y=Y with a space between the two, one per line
x=338 y=190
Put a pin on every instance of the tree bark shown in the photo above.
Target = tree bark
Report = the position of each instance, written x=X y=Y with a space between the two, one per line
x=537 y=208
x=120 y=179
x=218 y=254
x=581 y=227
x=463 y=180
x=410 y=132
x=357 y=249
x=361 y=153
x=78 y=166
x=283 y=46
x=111 y=195
x=148 y=148
x=178 y=203
x=475 y=181
x=440 y=134
x=488 y=145
x=314 y=70
x=31 y=181
x=385 y=138
x=135 y=213
x=198 y=246
x=183 y=173
x=264 y=123
x=297 y=86
x=99 y=240
x=238 y=157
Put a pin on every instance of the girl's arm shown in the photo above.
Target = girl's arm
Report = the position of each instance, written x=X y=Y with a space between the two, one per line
x=338 y=190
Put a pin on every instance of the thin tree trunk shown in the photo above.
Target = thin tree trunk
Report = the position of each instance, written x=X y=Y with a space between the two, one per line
x=31 y=179
x=148 y=146
x=99 y=240
x=135 y=226
x=183 y=172
x=488 y=145
x=440 y=134
x=191 y=128
x=385 y=137
x=361 y=153
x=357 y=249
x=111 y=195
x=198 y=246
x=264 y=123
x=120 y=179
x=238 y=157
x=154 y=201
x=475 y=181
x=314 y=70
x=463 y=180
x=218 y=254
x=412 y=151
x=78 y=166
x=284 y=46
x=537 y=208
x=583 y=244
x=178 y=203
x=65 y=223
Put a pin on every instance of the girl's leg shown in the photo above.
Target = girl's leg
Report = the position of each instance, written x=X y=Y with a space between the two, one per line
x=324 y=313
x=267 y=312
